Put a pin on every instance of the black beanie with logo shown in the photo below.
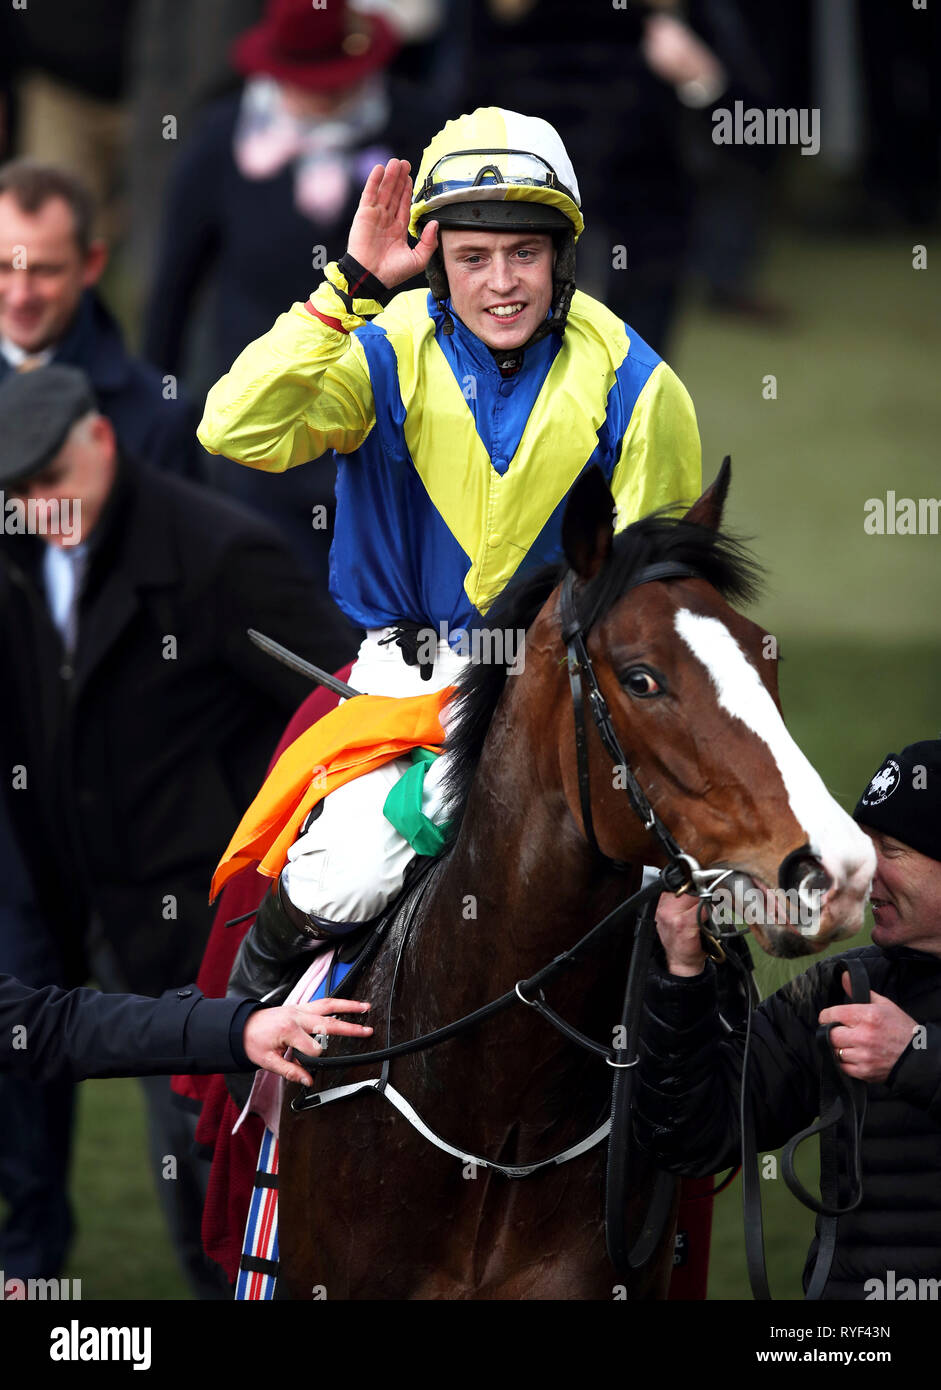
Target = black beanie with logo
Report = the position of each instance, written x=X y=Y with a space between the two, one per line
x=904 y=798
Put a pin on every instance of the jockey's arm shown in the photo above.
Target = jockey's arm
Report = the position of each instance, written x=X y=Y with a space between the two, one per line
x=661 y=457
x=303 y=387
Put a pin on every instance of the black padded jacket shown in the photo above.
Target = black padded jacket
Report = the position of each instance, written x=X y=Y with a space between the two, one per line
x=686 y=1112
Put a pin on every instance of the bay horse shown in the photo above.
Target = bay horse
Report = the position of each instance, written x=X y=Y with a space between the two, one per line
x=368 y=1208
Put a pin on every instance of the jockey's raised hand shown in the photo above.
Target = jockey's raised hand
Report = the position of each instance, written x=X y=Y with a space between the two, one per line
x=379 y=235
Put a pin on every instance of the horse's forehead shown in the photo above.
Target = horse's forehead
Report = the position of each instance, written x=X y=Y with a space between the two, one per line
x=649 y=613
x=740 y=678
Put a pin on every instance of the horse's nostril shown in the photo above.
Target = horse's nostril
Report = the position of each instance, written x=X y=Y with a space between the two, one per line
x=804 y=871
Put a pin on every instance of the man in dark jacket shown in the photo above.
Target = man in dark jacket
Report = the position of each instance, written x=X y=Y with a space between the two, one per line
x=50 y=263
x=688 y=1095
x=137 y=724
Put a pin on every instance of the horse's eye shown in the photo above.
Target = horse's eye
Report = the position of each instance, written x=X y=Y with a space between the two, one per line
x=641 y=683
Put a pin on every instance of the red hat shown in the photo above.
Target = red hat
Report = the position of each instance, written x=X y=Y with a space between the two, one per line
x=322 y=49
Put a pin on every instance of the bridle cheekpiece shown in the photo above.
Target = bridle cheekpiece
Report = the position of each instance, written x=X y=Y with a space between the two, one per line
x=682 y=873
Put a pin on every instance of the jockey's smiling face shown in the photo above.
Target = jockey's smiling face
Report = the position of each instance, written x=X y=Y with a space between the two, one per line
x=509 y=272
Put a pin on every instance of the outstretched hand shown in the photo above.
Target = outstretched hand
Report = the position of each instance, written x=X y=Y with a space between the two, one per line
x=379 y=235
x=269 y=1033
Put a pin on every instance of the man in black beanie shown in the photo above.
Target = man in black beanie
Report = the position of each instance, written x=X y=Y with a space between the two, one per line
x=687 y=1113
x=900 y=810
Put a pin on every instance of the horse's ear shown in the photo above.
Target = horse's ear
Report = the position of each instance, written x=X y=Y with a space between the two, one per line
x=588 y=524
x=708 y=510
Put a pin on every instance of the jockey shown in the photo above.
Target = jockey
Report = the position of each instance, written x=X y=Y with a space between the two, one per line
x=461 y=418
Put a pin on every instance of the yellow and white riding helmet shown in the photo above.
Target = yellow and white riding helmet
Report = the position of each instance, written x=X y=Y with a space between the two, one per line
x=499 y=171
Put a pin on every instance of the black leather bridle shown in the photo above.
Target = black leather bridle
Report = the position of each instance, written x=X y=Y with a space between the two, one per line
x=682 y=873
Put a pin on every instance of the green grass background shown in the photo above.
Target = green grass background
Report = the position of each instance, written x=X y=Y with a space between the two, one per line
x=858 y=411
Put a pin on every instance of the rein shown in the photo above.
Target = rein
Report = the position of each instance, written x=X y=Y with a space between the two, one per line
x=533 y=985
x=842 y=1099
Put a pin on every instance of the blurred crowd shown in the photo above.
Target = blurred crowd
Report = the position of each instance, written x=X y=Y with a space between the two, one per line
x=172 y=177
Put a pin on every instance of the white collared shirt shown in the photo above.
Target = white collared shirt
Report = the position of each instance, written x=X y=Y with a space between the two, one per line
x=63 y=569
x=16 y=355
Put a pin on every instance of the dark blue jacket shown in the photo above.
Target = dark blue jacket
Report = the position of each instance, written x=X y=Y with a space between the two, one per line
x=79 y=1033
x=150 y=428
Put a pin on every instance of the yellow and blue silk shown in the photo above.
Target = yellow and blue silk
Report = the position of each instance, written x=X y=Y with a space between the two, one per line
x=451 y=478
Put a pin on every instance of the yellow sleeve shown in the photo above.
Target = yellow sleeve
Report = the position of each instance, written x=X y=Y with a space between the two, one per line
x=299 y=390
x=661 y=456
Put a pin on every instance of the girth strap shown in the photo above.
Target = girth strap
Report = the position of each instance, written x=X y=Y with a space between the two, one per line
x=405 y=1107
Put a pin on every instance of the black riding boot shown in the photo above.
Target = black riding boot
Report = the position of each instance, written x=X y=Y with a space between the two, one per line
x=273 y=956
x=275 y=951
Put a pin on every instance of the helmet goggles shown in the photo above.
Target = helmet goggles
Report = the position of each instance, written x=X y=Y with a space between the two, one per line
x=479 y=170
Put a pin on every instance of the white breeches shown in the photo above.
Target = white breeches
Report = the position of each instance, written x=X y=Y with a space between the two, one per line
x=351 y=862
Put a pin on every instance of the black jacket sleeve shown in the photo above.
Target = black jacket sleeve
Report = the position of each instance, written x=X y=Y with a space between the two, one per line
x=51 y=1032
x=689 y=1082
x=916 y=1076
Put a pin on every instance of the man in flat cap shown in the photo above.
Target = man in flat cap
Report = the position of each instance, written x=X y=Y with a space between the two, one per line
x=136 y=722
x=687 y=1113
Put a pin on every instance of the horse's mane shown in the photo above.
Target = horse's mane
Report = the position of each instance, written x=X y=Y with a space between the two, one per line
x=721 y=560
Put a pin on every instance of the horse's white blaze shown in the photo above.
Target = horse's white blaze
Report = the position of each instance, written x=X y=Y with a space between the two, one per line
x=846 y=853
